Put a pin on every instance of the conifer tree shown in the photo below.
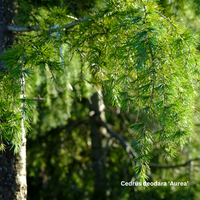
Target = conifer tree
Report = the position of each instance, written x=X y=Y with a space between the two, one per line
x=143 y=60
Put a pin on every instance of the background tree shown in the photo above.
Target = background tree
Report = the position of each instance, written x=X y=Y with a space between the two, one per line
x=13 y=168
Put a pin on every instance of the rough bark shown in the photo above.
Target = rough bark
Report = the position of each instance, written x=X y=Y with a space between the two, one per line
x=6 y=16
x=20 y=167
x=12 y=167
x=96 y=107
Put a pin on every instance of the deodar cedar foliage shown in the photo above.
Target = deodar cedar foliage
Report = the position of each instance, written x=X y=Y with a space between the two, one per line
x=144 y=61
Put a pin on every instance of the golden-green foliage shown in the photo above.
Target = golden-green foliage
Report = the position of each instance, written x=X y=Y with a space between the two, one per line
x=140 y=58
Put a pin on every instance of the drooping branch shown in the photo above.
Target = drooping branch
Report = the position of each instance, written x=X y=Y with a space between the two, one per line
x=132 y=154
x=52 y=28
x=173 y=166
x=122 y=141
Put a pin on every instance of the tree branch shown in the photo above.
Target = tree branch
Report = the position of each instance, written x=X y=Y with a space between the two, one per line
x=22 y=29
x=132 y=154
x=173 y=166
x=37 y=28
x=123 y=142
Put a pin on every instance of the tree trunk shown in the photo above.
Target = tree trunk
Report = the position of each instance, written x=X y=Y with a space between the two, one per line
x=96 y=107
x=12 y=167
